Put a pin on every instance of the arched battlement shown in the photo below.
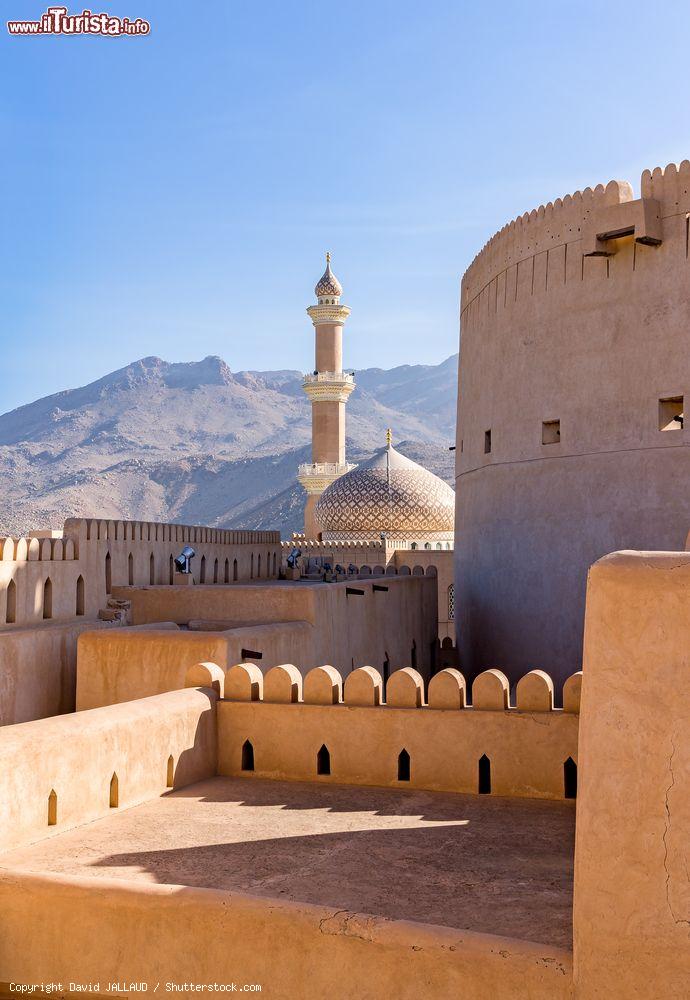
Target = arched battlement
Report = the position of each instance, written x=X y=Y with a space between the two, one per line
x=106 y=554
x=561 y=221
x=551 y=225
x=525 y=747
x=363 y=687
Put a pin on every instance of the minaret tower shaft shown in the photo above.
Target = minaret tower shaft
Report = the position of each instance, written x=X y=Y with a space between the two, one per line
x=328 y=388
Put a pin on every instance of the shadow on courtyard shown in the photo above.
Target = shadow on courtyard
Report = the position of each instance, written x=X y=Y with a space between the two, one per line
x=500 y=866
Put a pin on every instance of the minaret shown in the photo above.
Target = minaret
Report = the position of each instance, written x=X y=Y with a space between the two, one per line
x=328 y=388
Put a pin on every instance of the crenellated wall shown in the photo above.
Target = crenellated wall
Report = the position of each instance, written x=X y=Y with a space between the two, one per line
x=528 y=750
x=574 y=321
x=140 y=552
x=52 y=587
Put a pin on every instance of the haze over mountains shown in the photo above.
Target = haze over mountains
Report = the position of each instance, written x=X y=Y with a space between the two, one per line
x=197 y=443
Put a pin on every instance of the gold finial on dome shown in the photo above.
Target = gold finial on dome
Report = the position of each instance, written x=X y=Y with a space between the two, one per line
x=328 y=256
x=389 y=437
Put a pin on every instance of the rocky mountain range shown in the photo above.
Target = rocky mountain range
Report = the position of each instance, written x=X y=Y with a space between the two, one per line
x=197 y=443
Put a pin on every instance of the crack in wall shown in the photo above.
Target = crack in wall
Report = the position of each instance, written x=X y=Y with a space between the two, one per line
x=677 y=920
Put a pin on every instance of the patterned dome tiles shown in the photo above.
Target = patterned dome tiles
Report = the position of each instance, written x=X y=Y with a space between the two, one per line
x=390 y=493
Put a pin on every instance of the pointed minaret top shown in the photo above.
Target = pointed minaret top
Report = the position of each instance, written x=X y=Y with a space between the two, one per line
x=328 y=285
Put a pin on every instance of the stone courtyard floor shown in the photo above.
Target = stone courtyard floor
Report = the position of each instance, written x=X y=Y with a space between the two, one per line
x=481 y=863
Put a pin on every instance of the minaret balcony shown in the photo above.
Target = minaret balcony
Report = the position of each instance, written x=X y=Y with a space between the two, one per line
x=328 y=312
x=328 y=386
x=314 y=477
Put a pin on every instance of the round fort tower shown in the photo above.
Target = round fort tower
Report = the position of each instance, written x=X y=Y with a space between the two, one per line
x=574 y=368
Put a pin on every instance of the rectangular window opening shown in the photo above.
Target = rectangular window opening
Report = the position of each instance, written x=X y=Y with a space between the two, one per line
x=671 y=413
x=550 y=431
x=487 y=442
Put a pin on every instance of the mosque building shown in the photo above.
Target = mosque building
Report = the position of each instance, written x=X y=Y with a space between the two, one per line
x=376 y=517
x=389 y=497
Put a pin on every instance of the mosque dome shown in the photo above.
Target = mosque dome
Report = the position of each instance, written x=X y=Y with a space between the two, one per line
x=391 y=494
x=328 y=285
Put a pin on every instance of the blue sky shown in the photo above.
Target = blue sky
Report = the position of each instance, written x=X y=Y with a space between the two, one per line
x=174 y=194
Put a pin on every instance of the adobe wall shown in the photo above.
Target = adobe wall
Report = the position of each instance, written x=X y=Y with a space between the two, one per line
x=376 y=558
x=137 y=664
x=632 y=894
x=391 y=619
x=75 y=756
x=38 y=669
x=527 y=745
x=547 y=334
x=26 y=564
x=53 y=585
x=174 y=934
x=443 y=564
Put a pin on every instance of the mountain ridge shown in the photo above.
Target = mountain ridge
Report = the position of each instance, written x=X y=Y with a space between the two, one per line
x=195 y=441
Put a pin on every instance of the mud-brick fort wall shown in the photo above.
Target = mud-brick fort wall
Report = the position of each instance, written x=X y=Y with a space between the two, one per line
x=574 y=362
x=59 y=578
x=52 y=588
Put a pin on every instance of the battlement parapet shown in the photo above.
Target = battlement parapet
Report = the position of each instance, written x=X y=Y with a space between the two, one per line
x=490 y=689
x=315 y=547
x=99 y=529
x=559 y=224
x=69 y=574
x=400 y=733
x=31 y=549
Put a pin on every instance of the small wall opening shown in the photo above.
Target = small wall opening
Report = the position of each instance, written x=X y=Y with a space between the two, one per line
x=52 y=808
x=251 y=574
x=247 y=756
x=234 y=570
x=48 y=599
x=258 y=572
x=80 y=595
x=114 y=792
x=570 y=779
x=671 y=414
x=152 y=570
x=108 y=573
x=171 y=571
x=226 y=575
x=323 y=761
x=386 y=673
x=550 y=431
x=275 y=564
x=403 y=766
x=11 y=607
x=215 y=571
x=487 y=442
x=484 y=782
x=202 y=570
x=170 y=776
x=413 y=655
x=130 y=569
